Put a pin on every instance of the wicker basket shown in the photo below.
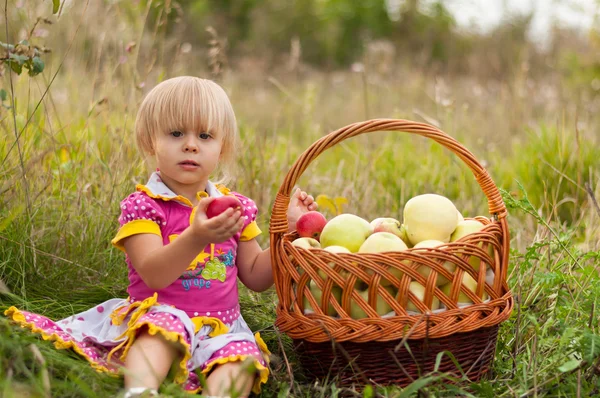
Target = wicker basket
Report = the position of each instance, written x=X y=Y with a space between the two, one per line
x=399 y=348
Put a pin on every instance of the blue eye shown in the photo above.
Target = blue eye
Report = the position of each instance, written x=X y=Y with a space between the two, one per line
x=176 y=133
x=204 y=136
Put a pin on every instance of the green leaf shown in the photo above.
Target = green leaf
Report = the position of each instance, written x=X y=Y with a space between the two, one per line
x=416 y=385
x=55 y=6
x=38 y=66
x=15 y=66
x=569 y=366
x=368 y=391
x=3 y=95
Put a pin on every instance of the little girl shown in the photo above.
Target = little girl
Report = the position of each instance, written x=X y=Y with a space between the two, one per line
x=183 y=312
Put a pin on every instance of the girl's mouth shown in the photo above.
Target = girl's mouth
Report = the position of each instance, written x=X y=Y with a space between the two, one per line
x=188 y=165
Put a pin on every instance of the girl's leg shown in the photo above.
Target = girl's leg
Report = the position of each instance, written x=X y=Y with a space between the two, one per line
x=231 y=376
x=148 y=361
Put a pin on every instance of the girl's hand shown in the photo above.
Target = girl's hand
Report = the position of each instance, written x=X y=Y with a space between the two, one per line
x=219 y=228
x=300 y=203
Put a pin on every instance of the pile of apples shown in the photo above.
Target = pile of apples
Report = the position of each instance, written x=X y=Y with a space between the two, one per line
x=429 y=220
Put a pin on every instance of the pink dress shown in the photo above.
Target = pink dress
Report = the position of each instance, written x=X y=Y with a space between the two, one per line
x=199 y=311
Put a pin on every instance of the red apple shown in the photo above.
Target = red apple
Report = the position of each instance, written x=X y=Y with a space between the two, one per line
x=222 y=203
x=310 y=225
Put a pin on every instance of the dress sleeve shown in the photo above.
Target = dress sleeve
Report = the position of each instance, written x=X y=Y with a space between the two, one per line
x=250 y=230
x=140 y=214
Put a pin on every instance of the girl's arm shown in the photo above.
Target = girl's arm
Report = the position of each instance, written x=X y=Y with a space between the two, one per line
x=160 y=265
x=254 y=264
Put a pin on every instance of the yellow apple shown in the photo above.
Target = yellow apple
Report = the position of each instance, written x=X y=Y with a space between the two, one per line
x=428 y=243
x=425 y=271
x=469 y=283
x=336 y=292
x=334 y=249
x=468 y=227
x=419 y=290
x=306 y=243
x=382 y=307
x=465 y=228
x=429 y=216
x=380 y=242
x=347 y=230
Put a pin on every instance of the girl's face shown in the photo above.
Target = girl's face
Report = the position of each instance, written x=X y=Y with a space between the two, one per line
x=187 y=158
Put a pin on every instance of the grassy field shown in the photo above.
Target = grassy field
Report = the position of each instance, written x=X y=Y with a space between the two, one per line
x=67 y=156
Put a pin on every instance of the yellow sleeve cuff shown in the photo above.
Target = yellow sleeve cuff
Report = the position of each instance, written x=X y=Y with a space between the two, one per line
x=133 y=228
x=250 y=232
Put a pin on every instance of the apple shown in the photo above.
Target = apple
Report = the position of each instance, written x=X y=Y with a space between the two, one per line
x=419 y=290
x=465 y=228
x=425 y=271
x=382 y=307
x=222 y=203
x=306 y=243
x=310 y=224
x=336 y=292
x=428 y=243
x=469 y=283
x=429 y=216
x=347 y=230
x=335 y=249
x=380 y=242
x=391 y=225
x=468 y=227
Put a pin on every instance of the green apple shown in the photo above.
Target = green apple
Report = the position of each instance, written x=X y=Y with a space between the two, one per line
x=469 y=283
x=419 y=290
x=466 y=228
x=306 y=243
x=380 y=242
x=336 y=292
x=337 y=250
x=382 y=307
x=347 y=230
x=429 y=216
x=425 y=271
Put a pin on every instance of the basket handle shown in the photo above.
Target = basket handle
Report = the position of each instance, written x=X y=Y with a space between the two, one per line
x=278 y=222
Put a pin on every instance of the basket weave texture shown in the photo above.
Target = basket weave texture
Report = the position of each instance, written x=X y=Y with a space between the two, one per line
x=294 y=268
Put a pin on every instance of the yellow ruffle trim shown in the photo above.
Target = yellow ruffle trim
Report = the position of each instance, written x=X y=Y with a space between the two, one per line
x=221 y=188
x=263 y=372
x=59 y=343
x=175 y=337
x=151 y=194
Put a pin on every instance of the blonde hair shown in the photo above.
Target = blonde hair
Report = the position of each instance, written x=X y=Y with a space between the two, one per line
x=189 y=103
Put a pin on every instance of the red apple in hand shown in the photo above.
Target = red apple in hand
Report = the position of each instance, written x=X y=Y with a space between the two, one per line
x=222 y=203
x=310 y=225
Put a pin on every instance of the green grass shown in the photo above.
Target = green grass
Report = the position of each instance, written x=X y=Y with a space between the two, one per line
x=75 y=159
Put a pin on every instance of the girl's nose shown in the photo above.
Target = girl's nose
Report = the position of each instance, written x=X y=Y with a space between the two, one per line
x=190 y=147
